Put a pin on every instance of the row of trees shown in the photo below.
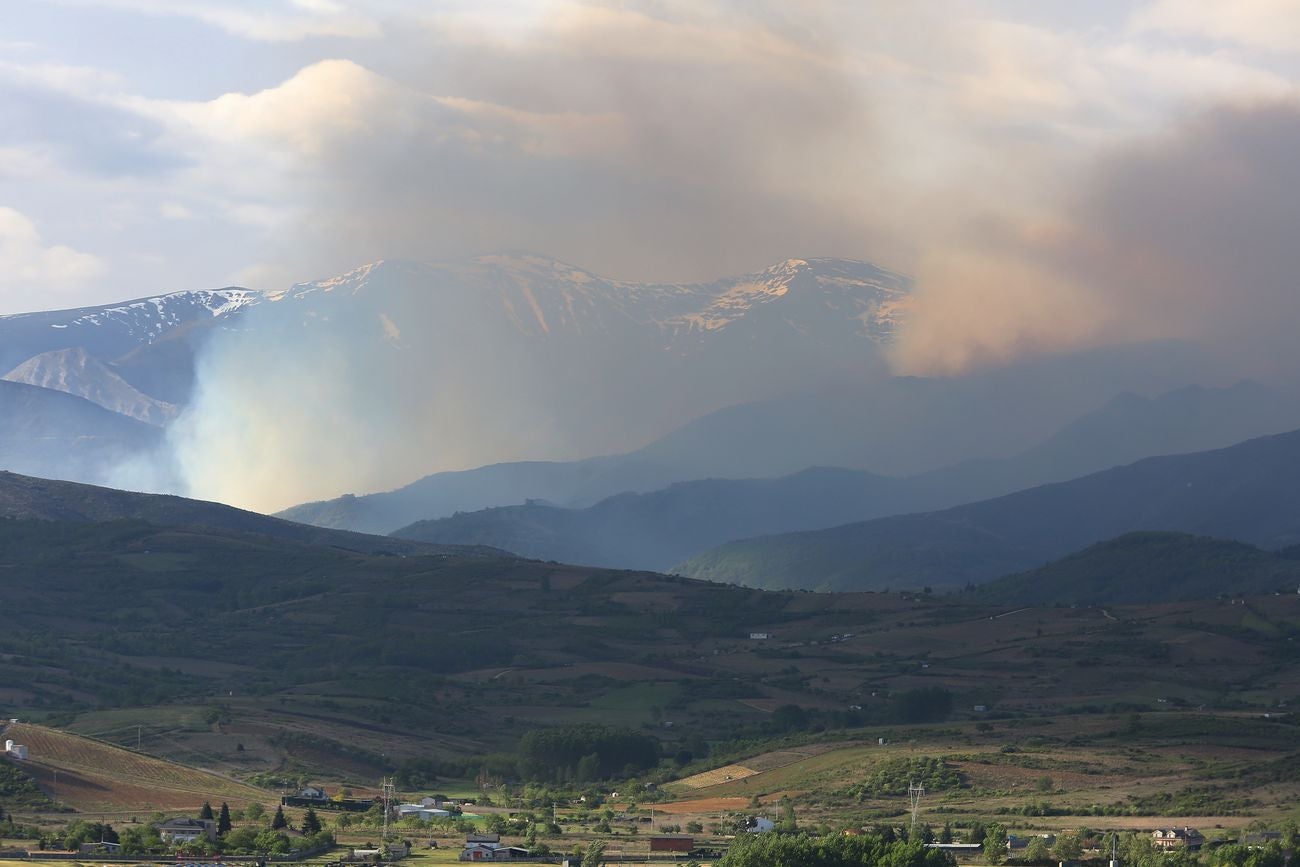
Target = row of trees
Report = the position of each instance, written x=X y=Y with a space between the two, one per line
x=251 y=839
x=1136 y=850
x=585 y=753
x=801 y=850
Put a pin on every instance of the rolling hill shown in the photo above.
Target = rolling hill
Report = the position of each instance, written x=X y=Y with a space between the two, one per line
x=1247 y=492
x=250 y=654
x=25 y=497
x=1148 y=567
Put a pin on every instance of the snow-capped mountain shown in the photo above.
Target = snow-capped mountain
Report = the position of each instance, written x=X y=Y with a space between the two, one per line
x=478 y=360
x=819 y=299
x=110 y=331
x=76 y=372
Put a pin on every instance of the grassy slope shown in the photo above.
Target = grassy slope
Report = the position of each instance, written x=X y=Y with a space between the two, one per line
x=1136 y=566
x=1247 y=492
x=1141 y=770
x=89 y=775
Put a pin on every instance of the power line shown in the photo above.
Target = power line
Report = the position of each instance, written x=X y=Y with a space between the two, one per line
x=915 y=791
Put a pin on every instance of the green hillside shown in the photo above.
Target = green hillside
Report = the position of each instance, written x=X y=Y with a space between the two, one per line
x=1142 y=567
x=275 y=661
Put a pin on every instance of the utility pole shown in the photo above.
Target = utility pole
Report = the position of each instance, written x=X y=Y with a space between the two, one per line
x=138 y=730
x=388 y=794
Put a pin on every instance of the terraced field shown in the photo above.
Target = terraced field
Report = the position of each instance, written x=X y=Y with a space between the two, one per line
x=754 y=766
x=717 y=776
x=92 y=776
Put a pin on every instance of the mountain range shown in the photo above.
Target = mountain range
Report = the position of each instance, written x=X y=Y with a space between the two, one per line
x=736 y=388
x=497 y=351
x=1247 y=492
x=659 y=529
x=986 y=434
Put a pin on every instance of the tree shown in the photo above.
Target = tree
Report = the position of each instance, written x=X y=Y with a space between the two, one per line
x=1037 y=852
x=271 y=843
x=241 y=840
x=788 y=823
x=995 y=844
x=800 y=850
x=254 y=811
x=588 y=768
x=139 y=839
x=1068 y=848
x=88 y=832
x=206 y=812
x=927 y=704
x=310 y=823
x=223 y=820
x=595 y=852
x=279 y=821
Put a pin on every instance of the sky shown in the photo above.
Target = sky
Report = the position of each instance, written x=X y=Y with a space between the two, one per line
x=1054 y=174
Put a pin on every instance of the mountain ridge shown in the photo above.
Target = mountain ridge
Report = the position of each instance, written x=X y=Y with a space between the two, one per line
x=26 y=497
x=1245 y=492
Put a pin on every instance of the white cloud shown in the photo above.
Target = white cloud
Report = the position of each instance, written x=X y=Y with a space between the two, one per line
x=262 y=20
x=1272 y=25
x=174 y=211
x=32 y=271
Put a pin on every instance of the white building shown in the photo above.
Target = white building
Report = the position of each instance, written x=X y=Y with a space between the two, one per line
x=16 y=751
x=419 y=811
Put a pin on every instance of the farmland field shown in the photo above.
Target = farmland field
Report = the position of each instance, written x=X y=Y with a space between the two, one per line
x=92 y=776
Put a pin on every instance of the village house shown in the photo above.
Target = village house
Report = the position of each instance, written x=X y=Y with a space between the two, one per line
x=422 y=812
x=1016 y=842
x=441 y=802
x=185 y=830
x=488 y=847
x=1177 y=838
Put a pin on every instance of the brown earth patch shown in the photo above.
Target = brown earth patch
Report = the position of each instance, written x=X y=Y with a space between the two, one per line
x=702 y=805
